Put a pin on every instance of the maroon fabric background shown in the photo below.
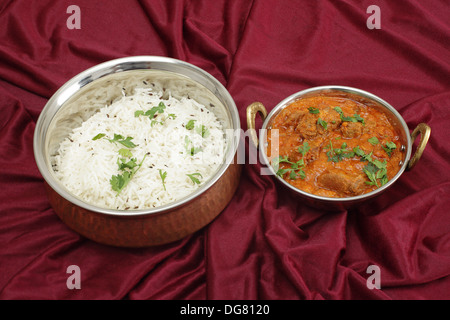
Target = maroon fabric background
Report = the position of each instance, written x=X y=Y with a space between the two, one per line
x=266 y=244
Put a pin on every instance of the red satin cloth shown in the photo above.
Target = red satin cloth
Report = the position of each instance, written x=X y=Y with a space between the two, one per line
x=266 y=244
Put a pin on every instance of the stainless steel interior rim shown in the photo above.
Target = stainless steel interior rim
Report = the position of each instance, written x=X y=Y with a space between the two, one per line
x=363 y=93
x=118 y=65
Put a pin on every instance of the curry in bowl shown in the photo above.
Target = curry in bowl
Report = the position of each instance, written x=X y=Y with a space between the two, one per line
x=334 y=146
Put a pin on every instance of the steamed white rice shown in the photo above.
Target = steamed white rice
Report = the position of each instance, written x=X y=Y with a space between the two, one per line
x=85 y=166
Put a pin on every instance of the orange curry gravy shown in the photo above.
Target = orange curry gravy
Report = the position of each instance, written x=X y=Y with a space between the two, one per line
x=334 y=147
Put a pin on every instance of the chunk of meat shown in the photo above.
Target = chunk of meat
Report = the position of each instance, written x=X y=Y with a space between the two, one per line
x=339 y=181
x=307 y=126
x=292 y=119
x=351 y=129
x=311 y=155
x=331 y=117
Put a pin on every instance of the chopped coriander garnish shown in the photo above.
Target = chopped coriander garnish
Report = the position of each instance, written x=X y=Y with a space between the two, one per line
x=128 y=169
x=138 y=113
x=153 y=122
x=202 y=130
x=296 y=169
x=322 y=123
x=358 y=151
x=163 y=176
x=120 y=181
x=124 y=141
x=117 y=139
x=364 y=157
x=127 y=165
x=125 y=153
x=370 y=170
x=303 y=149
x=375 y=169
x=356 y=117
x=190 y=125
x=160 y=109
x=373 y=141
x=193 y=177
x=295 y=166
x=124 y=163
x=390 y=146
x=99 y=136
x=190 y=148
x=313 y=110
x=151 y=112
x=337 y=154
x=195 y=150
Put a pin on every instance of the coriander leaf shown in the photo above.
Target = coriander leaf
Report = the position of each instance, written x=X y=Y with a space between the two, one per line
x=120 y=181
x=160 y=109
x=276 y=162
x=322 y=123
x=337 y=154
x=381 y=173
x=127 y=142
x=301 y=174
x=358 y=118
x=293 y=175
x=384 y=180
x=172 y=115
x=195 y=150
x=374 y=170
x=190 y=124
x=295 y=166
x=202 y=130
x=370 y=171
x=187 y=141
x=390 y=146
x=138 y=113
x=190 y=148
x=303 y=149
x=358 y=151
x=379 y=164
x=313 y=110
x=119 y=139
x=192 y=176
x=116 y=182
x=124 y=164
x=373 y=141
x=281 y=172
x=125 y=153
x=338 y=110
x=355 y=118
x=163 y=176
x=156 y=122
x=99 y=136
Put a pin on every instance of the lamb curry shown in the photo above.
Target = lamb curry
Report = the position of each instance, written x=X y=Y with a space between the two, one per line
x=334 y=147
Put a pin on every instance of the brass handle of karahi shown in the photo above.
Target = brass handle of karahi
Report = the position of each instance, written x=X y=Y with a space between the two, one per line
x=424 y=130
x=252 y=110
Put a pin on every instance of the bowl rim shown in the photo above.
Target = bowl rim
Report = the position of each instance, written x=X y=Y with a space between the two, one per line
x=285 y=102
x=106 y=68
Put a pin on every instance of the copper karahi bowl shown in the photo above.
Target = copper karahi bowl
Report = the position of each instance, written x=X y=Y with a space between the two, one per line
x=409 y=159
x=146 y=227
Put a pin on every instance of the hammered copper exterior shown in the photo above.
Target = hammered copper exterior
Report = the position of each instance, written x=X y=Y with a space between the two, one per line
x=153 y=228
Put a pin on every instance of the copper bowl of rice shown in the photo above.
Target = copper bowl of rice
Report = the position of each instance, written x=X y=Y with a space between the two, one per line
x=139 y=151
